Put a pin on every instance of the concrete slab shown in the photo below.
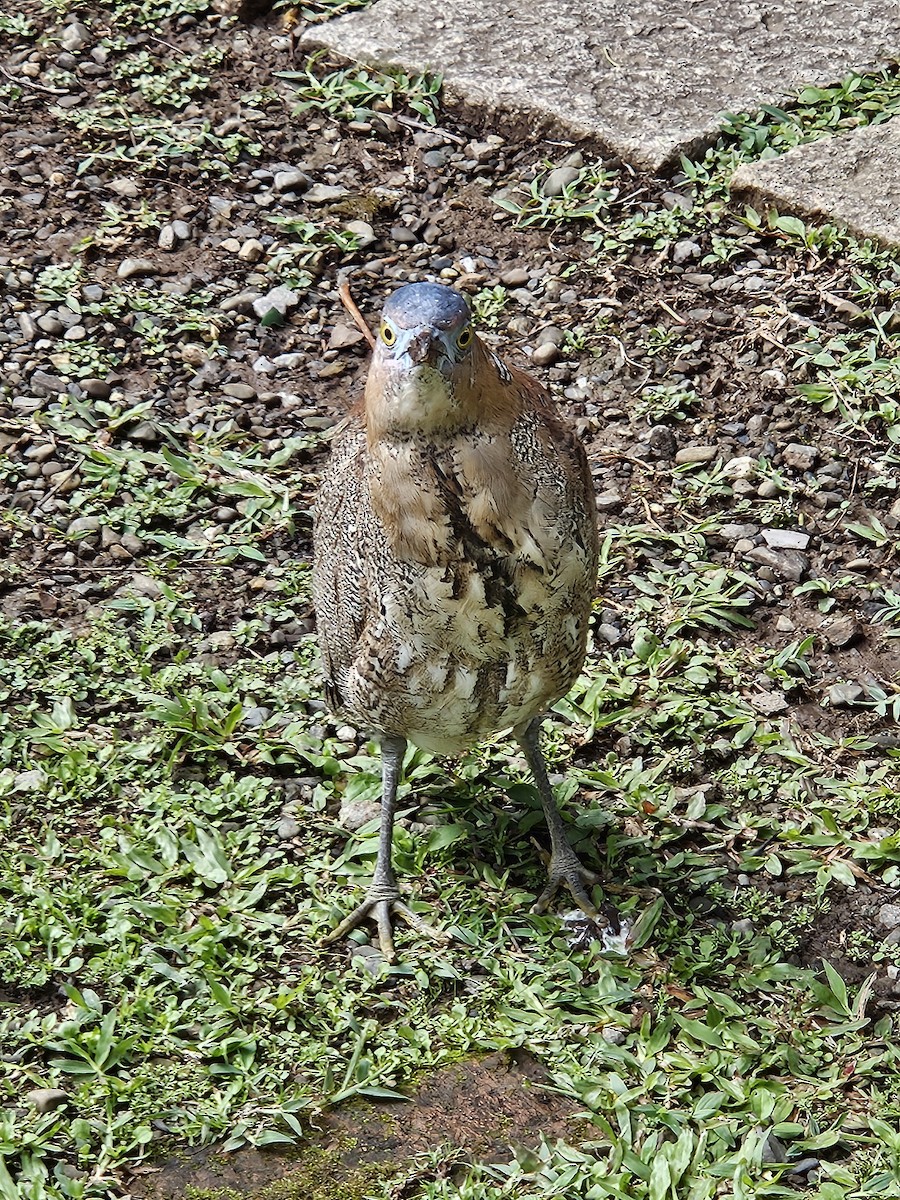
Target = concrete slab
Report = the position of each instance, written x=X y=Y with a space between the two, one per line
x=647 y=80
x=852 y=180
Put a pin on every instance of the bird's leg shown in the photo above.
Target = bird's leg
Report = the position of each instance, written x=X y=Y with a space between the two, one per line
x=564 y=866
x=383 y=895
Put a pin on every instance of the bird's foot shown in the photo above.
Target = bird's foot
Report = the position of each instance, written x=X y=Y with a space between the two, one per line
x=565 y=870
x=382 y=900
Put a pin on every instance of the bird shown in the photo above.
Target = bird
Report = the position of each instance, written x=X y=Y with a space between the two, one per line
x=455 y=551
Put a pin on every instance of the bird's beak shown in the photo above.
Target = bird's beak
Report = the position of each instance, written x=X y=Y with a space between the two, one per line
x=426 y=348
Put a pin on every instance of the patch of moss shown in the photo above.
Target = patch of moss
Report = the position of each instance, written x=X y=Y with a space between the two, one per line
x=320 y=1176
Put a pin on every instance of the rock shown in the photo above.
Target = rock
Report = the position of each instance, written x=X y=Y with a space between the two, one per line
x=843 y=632
x=889 y=916
x=768 y=490
x=323 y=193
x=221 y=639
x=370 y=956
x=661 y=441
x=288 y=827
x=252 y=718
x=769 y=703
x=291 y=180
x=435 y=159
x=279 y=300
x=363 y=232
x=744 y=466
x=30 y=781
x=74 y=37
x=28 y=326
x=403 y=236
x=88 y=524
x=251 y=251
x=356 y=813
x=242 y=302
x=485 y=151
x=516 y=277
x=685 y=249
x=239 y=391
x=673 y=200
x=128 y=189
x=800 y=457
x=608 y=501
x=785 y=539
x=695 y=454
x=142 y=585
x=128 y=268
x=843 y=695
x=787 y=564
x=343 y=335
x=48 y=385
x=166 y=239
x=734 y=532
x=551 y=333
x=182 y=230
x=50 y=323
x=97 y=389
x=144 y=431
x=545 y=354
x=558 y=180
x=580 y=68
x=46 y=1100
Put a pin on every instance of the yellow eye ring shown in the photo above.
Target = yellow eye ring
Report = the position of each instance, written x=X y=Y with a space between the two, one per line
x=465 y=338
x=388 y=336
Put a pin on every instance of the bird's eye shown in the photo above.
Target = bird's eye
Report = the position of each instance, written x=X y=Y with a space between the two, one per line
x=465 y=338
x=388 y=336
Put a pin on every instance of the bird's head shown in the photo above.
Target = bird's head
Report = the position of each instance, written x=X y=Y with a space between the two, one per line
x=424 y=362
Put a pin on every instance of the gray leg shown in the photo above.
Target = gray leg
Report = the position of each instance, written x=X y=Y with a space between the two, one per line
x=383 y=895
x=564 y=867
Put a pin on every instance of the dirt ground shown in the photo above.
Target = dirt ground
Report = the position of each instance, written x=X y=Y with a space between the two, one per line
x=489 y=1107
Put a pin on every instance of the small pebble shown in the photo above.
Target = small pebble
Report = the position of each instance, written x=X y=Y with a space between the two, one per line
x=695 y=454
x=545 y=354
x=843 y=695
x=46 y=1100
x=128 y=268
x=288 y=827
x=801 y=458
x=785 y=539
x=843 y=632
x=558 y=180
x=889 y=916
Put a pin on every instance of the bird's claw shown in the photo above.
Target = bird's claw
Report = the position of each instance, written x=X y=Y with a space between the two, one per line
x=565 y=870
x=381 y=900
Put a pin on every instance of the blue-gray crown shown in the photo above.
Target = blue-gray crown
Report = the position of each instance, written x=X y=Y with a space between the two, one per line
x=426 y=304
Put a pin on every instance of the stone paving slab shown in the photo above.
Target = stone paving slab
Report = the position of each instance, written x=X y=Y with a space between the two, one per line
x=646 y=79
x=852 y=180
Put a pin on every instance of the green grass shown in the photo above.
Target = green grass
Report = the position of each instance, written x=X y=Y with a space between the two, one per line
x=357 y=93
x=142 y=875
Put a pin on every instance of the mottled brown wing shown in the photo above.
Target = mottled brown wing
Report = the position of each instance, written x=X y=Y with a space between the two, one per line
x=340 y=594
x=570 y=452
